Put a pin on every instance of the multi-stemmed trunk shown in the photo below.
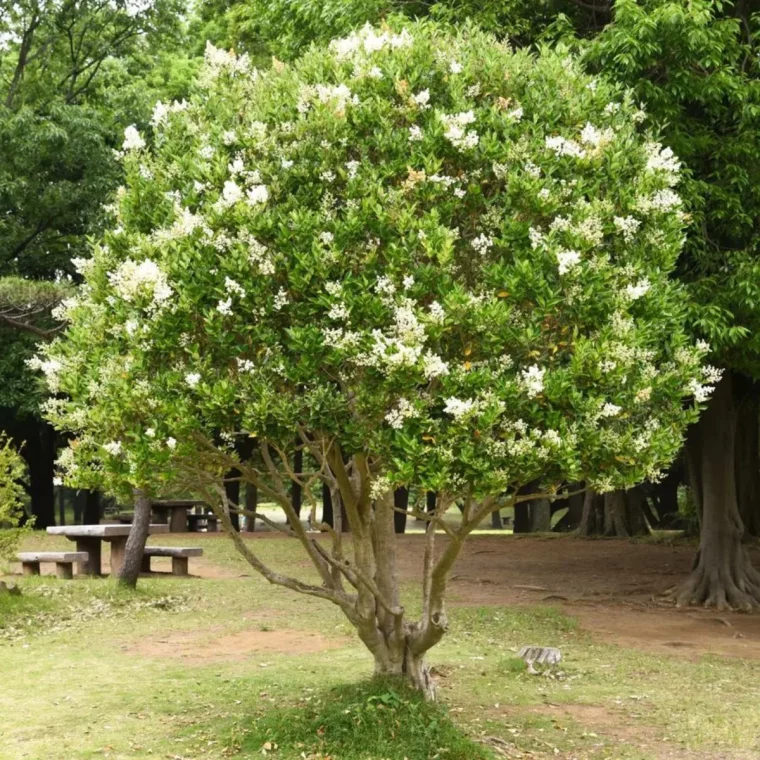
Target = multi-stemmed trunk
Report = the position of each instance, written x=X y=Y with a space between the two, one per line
x=138 y=535
x=722 y=574
x=618 y=513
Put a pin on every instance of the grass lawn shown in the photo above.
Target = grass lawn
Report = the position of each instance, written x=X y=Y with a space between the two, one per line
x=227 y=666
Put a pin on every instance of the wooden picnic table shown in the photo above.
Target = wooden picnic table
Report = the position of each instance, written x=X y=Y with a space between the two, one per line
x=173 y=512
x=89 y=539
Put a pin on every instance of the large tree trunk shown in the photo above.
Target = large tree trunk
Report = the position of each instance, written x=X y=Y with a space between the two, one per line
x=408 y=667
x=540 y=516
x=723 y=575
x=39 y=453
x=618 y=513
x=138 y=535
x=748 y=453
x=296 y=492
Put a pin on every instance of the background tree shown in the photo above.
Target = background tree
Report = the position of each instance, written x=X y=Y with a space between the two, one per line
x=73 y=75
x=11 y=495
x=439 y=275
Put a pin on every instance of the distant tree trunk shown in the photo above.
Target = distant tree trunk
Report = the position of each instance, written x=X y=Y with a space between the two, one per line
x=39 y=453
x=328 y=515
x=296 y=492
x=748 y=454
x=540 y=516
x=232 y=490
x=92 y=513
x=138 y=535
x=251 y=502
x=572 y=518
x=400 y=501
x=496 y=522
x=665 y=495
x=722 y=574
x=61 y=494
x=617 y=513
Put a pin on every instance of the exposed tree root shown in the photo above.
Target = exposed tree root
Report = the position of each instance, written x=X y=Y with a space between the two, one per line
x=727 y=584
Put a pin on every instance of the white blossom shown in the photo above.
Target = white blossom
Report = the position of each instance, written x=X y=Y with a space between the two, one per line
x=171 y=442
x=532 y=380
x=459 y=408
x=568 y=260
x=564 y=147
x=224 y=307
x=434 y=366
x=256 y=195
x=133 y=140
x=415 y=133
x=636 y=290
x=113 y=448
x=192 y=379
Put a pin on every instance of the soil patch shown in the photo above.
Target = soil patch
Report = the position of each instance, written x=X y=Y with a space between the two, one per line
x=209 y=646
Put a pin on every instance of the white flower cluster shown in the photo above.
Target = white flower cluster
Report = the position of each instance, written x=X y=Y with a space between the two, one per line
x=637 y=290
x=132 y=280
x=133 y=140
x=661 y=159
x=218 y=61
x=628 y=226
x=336 y=96
x=532 y=380
x=367 y=40
x=404 y=410
x=460 y=408
x=456 y=129
x=564 y=147
x=161 y=112
x=567 y=261
x=482 y=243
x=434 y=366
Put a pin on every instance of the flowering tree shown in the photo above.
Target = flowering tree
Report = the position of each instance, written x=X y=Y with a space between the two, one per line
x=11 y=493
x=417 y=257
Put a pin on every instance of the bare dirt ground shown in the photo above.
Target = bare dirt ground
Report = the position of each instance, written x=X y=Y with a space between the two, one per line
x=613 y=587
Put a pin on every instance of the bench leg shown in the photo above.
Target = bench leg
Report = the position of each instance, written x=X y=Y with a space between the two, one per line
x=64 y=570
x=212 y=526
x=179 y=566
x=30 y=568
x=92 y=546
x=145 y=566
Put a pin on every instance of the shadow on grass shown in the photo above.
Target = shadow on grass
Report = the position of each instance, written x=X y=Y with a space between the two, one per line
x=379 y=718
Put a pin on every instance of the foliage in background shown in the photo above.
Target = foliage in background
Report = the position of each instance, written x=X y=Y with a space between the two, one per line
x=11 y=495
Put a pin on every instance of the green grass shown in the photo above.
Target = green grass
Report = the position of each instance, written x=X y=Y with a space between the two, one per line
x=378 y=718
x=88 y=670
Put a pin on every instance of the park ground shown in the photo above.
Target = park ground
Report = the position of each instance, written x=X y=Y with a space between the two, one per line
x=217 y=665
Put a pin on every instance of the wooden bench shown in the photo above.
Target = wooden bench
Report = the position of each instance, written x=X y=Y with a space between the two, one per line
x=210 y=520
x=178 y=554
x=30 y=562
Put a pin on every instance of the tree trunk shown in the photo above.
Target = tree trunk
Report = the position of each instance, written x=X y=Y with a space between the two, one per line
x=39 y=453
x=232 y=490
x=138 y=535
x=328 y=515
x=748 y=454
x=296 y=493
x=400 y=501
x=92 y=511
x=251 y=502
x=410 y=669
x=540 y=516
x=665 y=495
x=522 y=518
x=571 y=520
x=617 y=513
x=722 y=575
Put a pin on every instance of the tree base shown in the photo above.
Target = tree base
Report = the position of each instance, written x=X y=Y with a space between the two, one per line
x=414 y=672
x=724 y=584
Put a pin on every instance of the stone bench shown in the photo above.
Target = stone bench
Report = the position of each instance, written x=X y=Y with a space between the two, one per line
x=210 y=520
x=179 y=555
x=30 y=562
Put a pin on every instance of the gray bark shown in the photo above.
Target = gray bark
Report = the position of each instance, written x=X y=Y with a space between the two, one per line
x=138 y=535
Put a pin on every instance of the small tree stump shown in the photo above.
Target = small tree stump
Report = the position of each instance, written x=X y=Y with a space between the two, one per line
x=540 y=655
